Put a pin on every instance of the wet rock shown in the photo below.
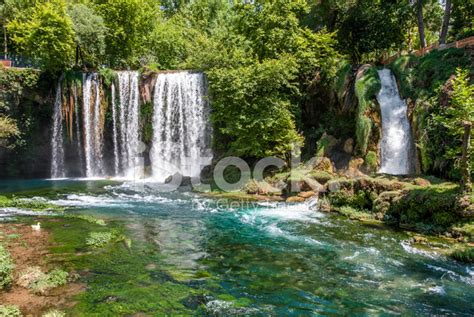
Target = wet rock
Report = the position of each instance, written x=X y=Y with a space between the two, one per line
x=307 y=194
x=421 y=182
x=295 y=199
x=419 y=239
x=349 y=146
x=172 y=179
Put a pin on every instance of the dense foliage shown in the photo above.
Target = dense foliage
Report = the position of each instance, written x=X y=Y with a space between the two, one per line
x=264 y=59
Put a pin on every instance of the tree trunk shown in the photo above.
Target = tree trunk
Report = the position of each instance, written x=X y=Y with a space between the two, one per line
x=421 y=26
x=5 y=48
x=444 y=28
x=465 y=159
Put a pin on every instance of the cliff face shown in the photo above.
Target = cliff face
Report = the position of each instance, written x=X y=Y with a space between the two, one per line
x=26 y=96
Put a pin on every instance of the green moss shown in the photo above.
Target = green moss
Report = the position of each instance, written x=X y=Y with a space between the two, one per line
x=10 y=311
x=353 y=213
x=366 y=88
x=321 y=176
x=89 y=218
x=146 y=122
x=370 y=161
x=6 y=268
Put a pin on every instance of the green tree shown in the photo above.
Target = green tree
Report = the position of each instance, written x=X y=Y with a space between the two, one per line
x=45 y=33
x=250 y=111
x=368 y=28
x=458 y=119
x=90 y=33
x=130 y=24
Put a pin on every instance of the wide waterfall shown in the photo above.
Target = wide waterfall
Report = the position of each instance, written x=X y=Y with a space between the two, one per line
x=396 y=146
x=93 y=127
x=57 y=160
x=126 y=126
x=181 y=129
x=104 y=137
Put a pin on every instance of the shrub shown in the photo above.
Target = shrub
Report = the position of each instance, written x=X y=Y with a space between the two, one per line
x=6 y=268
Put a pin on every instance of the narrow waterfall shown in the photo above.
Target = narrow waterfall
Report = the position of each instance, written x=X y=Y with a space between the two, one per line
x=57 y=160
x=114 y=130
x=181 y=129
x=128 y=119
x=396 y=132
x=78 y=139
x=93 y=136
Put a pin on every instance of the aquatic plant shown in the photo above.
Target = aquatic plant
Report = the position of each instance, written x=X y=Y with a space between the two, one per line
x=90 y=219
x=33 y=278
x=6 y=268
x=54 y=313
x=10 y=311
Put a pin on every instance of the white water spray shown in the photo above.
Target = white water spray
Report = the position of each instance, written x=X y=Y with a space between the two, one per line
x=396 y=133
x=181 y=129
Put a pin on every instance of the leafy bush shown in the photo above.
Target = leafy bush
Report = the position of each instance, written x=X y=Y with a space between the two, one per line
x=10 y=311
x=101 y=239
x=6 y=268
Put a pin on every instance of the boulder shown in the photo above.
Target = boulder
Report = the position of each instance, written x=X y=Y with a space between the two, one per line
x=307 y=194
x=421 y=182
x=349 y=146
x=323 y=164
x=353 y=169
x=185 y=180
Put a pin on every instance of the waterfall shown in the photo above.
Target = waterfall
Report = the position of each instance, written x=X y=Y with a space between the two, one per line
x=114 y=131
x=128 y=119
x=396 y=132
x=181 y=129
x=93 y=138
x=78 y=143
x=57 y=161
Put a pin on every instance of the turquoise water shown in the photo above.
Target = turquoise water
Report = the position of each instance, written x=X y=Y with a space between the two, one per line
x=267 y=259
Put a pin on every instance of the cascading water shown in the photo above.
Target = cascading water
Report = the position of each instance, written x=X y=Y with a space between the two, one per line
x=396 y=132
x=181 y=129
x=128 y=120
x=93 y=137
x=78 y=138
x=57 y=161
x=115 y=132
